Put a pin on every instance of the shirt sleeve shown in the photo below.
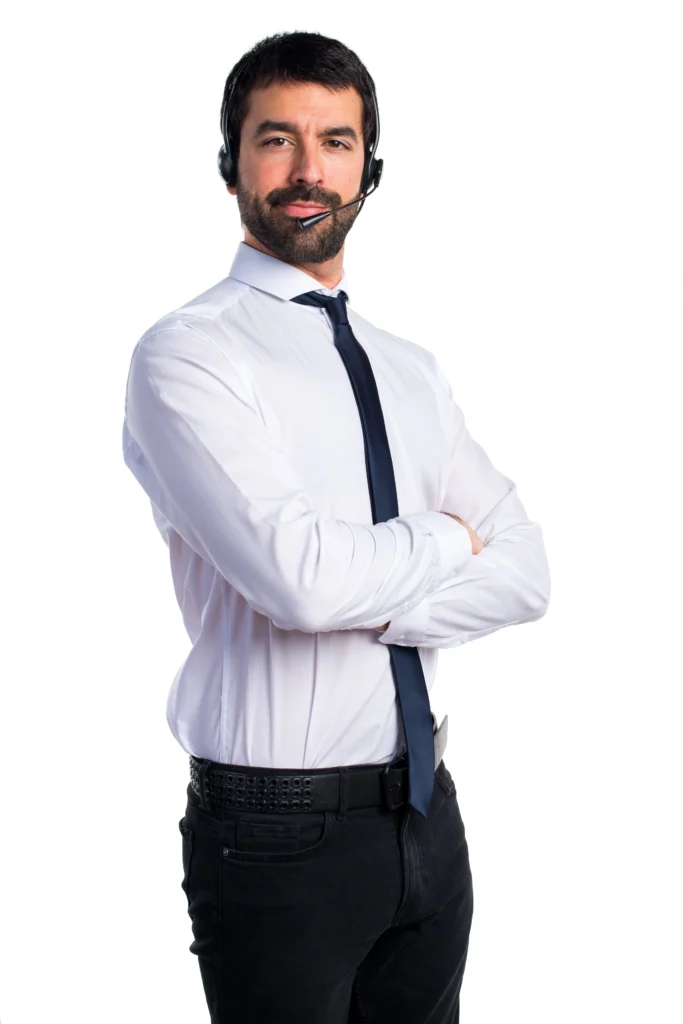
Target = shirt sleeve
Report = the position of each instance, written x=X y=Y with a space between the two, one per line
x=508 y=582
x=196 y=441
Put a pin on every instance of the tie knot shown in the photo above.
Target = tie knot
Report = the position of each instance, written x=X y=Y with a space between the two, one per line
x=335 y=304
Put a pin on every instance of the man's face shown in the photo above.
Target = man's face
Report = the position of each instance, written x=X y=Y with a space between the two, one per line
x=301 y=152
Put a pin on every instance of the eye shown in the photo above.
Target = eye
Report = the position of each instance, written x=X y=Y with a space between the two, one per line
x=337 y=144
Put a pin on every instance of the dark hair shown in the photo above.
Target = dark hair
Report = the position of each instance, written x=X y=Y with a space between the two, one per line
x=297 y=57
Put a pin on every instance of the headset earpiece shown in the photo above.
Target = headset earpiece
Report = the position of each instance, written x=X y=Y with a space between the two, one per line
x=372 y=168
x=375 y=172
x=227 y=158
x=226 y=164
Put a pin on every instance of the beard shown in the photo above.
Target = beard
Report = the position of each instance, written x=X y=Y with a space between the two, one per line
x=281 y=233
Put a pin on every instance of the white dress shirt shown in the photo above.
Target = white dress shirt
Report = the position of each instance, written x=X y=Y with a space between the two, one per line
x=242 y=428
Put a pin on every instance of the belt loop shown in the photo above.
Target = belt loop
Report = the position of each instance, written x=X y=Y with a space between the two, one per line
x=392 y=792
x=343 y=792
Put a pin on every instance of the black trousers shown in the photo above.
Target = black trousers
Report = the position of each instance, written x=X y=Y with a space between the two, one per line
x=361 y=919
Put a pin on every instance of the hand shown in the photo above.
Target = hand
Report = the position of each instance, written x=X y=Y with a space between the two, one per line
x=477 y=544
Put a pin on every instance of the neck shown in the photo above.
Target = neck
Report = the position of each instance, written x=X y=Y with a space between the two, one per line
x=328 y=274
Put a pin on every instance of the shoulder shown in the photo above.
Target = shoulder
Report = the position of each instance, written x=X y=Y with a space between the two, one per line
x=221 y=303
x=206 y=323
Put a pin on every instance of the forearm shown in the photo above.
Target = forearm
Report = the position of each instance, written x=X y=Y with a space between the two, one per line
x=506 y=584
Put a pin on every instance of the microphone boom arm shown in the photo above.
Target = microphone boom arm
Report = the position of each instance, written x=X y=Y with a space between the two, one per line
x=307 y=222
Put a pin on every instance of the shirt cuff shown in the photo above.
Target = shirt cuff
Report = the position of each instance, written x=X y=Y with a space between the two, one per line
x=455 y=545
x=408 y=627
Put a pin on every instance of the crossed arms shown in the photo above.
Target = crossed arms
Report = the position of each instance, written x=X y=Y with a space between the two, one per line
x=195 y=440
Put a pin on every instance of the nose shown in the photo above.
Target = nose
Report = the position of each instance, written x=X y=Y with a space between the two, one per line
x=307 y=164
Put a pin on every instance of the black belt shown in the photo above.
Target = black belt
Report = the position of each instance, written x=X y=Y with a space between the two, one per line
x=290 y=790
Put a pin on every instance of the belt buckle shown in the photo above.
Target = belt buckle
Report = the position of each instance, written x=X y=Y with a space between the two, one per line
x=391 y=792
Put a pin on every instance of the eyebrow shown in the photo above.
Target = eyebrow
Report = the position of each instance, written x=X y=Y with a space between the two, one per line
x=288 y=126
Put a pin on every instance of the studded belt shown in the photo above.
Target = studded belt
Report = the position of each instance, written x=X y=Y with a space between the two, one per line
x=289 y=790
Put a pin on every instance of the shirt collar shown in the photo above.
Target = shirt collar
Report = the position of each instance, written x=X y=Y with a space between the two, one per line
x=269 y=274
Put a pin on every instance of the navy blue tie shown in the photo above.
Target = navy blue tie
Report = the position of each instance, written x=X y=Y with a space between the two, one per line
x=411 y=688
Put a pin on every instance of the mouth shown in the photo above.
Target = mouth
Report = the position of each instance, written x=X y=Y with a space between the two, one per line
x=303 y=209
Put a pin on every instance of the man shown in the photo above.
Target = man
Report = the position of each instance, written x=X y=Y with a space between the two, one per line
x=325 y=861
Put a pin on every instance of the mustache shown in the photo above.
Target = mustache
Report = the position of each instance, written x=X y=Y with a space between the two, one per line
x=280 y=197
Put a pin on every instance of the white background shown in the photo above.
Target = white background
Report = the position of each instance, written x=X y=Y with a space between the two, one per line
x=528 y=232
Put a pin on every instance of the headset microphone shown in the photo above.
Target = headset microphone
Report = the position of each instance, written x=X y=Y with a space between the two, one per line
x=307 y=222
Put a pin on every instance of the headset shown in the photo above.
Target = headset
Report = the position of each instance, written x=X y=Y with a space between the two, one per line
x=372 y=168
